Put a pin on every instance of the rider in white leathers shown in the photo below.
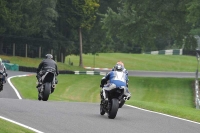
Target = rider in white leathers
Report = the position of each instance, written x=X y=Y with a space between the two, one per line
x=116 y=78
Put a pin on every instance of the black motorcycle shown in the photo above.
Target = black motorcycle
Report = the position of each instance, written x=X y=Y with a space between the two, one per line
x=2 y=78
x=116 y=100
x=48 y=85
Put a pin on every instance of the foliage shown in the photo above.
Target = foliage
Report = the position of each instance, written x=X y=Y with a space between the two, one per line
x=142 y=22
x=193 y=16
x=129 y=26
x=48 y=16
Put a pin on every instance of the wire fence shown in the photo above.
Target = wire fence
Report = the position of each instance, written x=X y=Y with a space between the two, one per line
x=33 y=47
x=26 y=50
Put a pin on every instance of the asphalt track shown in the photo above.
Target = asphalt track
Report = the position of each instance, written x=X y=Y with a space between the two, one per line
x=80 y=117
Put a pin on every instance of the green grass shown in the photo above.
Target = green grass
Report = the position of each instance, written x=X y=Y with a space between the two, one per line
x=145 y=62
x=172 y=96
x=138 y=61
x=34 y=62
x=8 y=127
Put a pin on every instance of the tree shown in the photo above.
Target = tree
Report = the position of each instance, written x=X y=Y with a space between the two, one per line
x=47 y=18
x=81 y=15
x=193 y=14
x=96 y=38
x=27 y=18
x=141 y=22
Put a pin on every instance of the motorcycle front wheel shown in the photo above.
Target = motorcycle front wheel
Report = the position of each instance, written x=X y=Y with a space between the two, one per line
x=113 y=108
x=102 y=112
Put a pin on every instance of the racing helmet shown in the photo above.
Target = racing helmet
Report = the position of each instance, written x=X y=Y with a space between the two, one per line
x=119 y=67
x=121 y=63
x=49 y=56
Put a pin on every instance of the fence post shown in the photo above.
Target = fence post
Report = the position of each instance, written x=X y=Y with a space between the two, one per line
x=40 y=52
x=26 y=51
x=197 y=100
x=62 y=57
x=13 y=49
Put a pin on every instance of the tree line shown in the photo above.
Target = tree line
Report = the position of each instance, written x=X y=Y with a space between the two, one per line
x=91 y=26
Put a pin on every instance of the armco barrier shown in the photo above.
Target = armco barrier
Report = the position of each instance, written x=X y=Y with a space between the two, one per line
x=33 y=69
x=89 y=73
x=27 y=69
x=167 y=52
x=66 y=72
x=10 y=66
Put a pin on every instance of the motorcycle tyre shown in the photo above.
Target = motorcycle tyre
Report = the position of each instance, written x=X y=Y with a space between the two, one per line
x=46 y=91
x=1 y=88
x=1 y=85
x=113 y=109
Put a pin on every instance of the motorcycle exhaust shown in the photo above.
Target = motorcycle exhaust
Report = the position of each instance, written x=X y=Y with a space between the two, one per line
x=54 y=86
x=125 y=98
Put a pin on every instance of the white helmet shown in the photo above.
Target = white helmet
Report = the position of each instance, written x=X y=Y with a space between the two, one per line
x=119 y=67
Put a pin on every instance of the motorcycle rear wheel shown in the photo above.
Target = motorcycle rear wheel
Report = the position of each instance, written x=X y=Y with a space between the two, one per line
x=113 y=108
x=46 y=91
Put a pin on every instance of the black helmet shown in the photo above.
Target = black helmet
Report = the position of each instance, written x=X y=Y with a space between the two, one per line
x=49 y=56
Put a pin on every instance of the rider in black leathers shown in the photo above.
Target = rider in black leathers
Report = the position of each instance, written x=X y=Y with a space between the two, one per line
x=46 y=64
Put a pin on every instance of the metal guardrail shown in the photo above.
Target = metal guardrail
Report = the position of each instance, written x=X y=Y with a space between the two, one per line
x=90 y=73
x=197 y=100
x=167 y=52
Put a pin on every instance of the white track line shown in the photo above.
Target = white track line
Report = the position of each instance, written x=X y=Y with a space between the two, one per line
x=18 y=95
x=163 y=114
x=30 y=128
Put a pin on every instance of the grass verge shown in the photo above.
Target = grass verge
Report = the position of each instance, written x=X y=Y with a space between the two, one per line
x=8 y=127
x=145 y=62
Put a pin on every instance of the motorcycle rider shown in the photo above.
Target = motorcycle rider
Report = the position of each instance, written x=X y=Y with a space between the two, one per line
x=2 y=67
x=46 y=64
x=116 y=78
x=124 y=70
x=120 y=62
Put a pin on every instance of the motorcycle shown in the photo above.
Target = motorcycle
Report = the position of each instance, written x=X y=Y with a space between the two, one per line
x=2 y=79
x=116 y=100
x=48 y=85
